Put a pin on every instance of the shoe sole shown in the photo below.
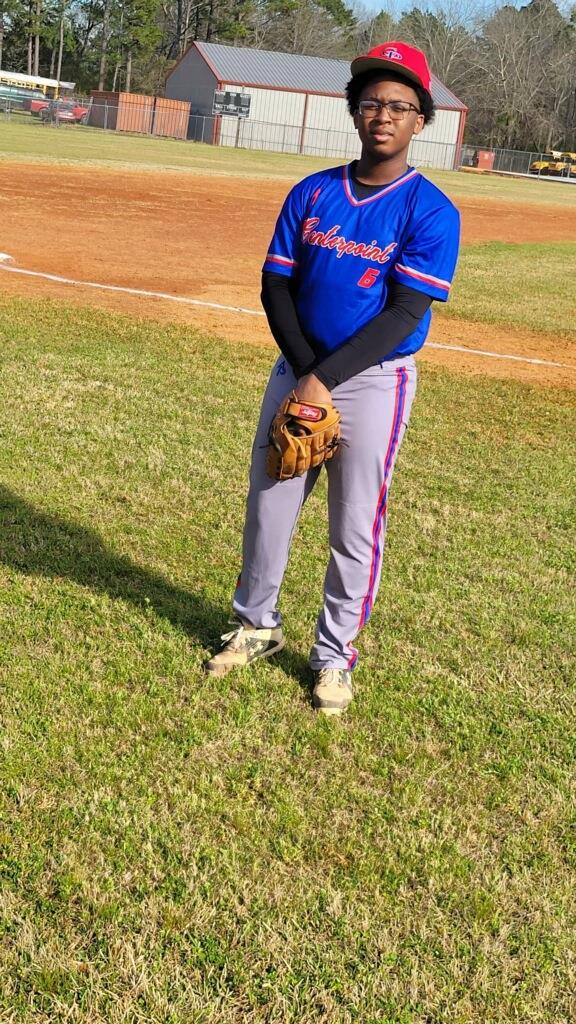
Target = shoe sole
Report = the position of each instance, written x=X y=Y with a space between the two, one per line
x=330 y=712
x=223 y=670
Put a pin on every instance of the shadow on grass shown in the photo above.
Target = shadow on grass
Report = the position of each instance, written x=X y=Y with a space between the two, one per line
x=43 y=544
x=297 y=667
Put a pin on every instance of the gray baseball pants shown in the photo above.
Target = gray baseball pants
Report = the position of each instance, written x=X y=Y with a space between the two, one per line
x=375 y=409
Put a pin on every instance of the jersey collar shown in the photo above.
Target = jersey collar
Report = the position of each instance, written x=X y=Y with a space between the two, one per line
x=407 y=176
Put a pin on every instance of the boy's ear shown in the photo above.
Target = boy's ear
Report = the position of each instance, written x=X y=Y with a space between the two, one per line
x=419 y=124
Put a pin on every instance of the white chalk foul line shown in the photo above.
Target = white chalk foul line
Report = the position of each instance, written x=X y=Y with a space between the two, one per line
x=128 y=291
x=497 y=355
x=5 y=259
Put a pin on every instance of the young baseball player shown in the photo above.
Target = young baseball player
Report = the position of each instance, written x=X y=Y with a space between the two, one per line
x=358 y=255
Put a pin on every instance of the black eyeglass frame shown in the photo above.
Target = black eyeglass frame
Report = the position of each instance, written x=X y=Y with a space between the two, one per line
x=397 y=109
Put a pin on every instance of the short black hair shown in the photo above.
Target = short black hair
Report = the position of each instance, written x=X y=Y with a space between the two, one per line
x=359 y=82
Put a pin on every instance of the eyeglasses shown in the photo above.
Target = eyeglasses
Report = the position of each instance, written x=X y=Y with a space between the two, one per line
x=397 y=110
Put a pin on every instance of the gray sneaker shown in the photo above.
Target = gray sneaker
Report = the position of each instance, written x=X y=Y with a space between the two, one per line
x=332 y=690
x=242 y=646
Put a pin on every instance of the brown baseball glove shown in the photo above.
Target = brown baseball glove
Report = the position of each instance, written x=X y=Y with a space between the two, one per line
x=302 y=435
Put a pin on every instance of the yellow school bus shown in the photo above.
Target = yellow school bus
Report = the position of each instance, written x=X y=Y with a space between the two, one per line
x=18 y=89
x=556 y=164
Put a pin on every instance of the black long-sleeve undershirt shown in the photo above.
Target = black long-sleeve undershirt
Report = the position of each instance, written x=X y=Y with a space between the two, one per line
x=404 y=308
x=278 y=301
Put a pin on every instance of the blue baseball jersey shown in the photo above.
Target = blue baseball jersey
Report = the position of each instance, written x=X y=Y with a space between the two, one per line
x=341 y=251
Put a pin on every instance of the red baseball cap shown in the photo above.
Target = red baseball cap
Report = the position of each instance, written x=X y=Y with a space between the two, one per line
x=405 y=60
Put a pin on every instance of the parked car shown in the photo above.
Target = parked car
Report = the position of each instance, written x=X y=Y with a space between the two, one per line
x=37 y=105
x=64 y=111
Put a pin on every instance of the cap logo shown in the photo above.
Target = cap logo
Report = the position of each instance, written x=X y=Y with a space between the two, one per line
x=392 y=54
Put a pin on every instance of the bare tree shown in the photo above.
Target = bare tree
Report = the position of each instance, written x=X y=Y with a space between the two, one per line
x=61 y=41
x=447 y=38
x=105 y=40
x=3 y=13
x=37 y=24
x=371 y=28
x=317 y=27
x=523 y=66
x=29 y=42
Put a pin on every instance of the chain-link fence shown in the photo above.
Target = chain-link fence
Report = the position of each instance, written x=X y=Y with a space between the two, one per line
x=306 y=140
x=164 y=118
x=172 y=119
x=514 y=161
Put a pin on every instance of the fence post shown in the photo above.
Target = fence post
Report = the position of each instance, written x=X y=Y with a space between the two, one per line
x=303 y=126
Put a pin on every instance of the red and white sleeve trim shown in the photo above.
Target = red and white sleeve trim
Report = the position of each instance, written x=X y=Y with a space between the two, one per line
x=437 y=282
x=282 y=260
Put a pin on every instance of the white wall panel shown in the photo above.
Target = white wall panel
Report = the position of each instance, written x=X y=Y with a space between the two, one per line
x=249 y=134
x=329 y=113
x=273 y=105
x=342 y=145
x=437 y=143
x=432 y=154
x=444 y=127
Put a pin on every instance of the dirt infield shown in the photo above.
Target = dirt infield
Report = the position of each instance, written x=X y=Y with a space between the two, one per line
x=204 y=238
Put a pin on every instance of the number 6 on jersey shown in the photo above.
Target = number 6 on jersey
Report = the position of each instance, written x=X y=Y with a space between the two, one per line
x=368 y=277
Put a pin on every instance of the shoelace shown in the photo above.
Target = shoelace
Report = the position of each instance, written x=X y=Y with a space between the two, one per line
x=234 y=636
x=341 y=680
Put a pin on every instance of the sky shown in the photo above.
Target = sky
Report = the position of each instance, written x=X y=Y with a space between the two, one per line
x=398 y=7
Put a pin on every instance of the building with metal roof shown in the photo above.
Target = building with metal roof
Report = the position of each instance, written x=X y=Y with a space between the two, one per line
x=261 y=99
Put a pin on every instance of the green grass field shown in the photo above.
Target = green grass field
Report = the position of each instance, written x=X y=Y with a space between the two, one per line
x=523 y=286
x=183 y=850
x=25 y=138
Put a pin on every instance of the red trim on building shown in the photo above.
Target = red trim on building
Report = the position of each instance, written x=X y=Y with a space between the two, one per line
x=178 y=62
x=460 y=140
x=217 y=123
x=207 y=59
x=304 y=123
x=284 y=88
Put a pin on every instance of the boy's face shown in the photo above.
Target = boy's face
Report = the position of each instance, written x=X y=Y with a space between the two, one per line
x=380 y=134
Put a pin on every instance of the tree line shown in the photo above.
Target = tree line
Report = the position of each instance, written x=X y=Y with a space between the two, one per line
x=514 y=68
